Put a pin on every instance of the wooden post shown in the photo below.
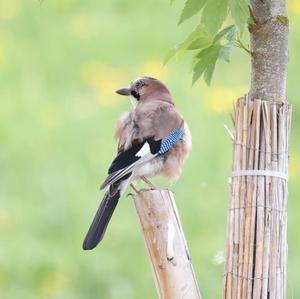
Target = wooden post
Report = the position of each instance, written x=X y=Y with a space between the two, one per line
x=166 y=245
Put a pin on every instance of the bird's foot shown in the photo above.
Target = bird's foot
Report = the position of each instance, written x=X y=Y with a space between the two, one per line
x=152 y=187
x=146 y=189
x=134 y=188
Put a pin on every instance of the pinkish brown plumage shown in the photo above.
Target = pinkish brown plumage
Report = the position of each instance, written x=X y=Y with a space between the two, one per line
x=153 y=139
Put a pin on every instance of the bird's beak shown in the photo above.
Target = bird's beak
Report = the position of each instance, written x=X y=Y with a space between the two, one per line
x=123 y=91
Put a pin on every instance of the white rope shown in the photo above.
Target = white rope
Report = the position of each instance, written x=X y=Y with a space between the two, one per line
x=254 y=172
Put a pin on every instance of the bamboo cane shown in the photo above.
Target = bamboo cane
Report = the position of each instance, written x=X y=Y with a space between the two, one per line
x=256 y=252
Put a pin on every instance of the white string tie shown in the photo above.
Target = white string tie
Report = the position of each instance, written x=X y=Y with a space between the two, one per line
x=259 y=172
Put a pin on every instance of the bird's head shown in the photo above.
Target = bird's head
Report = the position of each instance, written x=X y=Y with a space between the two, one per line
x=146 y=89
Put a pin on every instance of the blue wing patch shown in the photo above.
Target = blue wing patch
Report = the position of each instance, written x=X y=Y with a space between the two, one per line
x=173 y=138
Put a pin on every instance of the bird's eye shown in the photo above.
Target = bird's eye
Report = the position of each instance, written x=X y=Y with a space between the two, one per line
x=139 y=84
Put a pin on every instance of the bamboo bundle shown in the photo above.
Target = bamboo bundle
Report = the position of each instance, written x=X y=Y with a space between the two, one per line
x=164 y=239
x=257 y=219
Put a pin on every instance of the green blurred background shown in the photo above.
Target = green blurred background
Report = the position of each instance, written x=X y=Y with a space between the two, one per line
x=60 y=63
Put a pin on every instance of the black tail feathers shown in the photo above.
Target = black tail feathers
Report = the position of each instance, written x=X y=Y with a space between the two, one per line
x=101 y=219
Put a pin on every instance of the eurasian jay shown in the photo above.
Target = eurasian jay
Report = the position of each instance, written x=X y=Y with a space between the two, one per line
x=153 y=139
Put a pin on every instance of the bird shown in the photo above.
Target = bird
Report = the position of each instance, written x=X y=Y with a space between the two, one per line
x=153 y=139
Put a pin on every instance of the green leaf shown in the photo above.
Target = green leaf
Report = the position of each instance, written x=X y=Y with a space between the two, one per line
x=172 y=1
x=198 y=39
x=283 y=19
x=191 y=8
x=202 y=42
x=250 y=21
x=240 y=12
x=199 y=34
x=171 y=54
x=226 y=51
x=229 y=32
x=214 y=14
x=205 y=63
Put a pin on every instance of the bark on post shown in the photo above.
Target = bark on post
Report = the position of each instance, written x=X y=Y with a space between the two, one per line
x=257 y=219
x=166 y=244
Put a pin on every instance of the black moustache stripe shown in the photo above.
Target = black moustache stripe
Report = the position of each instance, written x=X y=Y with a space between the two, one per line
x=135 y=94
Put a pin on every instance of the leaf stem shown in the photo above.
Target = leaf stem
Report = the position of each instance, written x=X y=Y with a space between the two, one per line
x=240 y=44
x=252 y=15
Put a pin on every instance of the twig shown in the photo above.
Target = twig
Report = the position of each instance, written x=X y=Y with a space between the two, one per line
x=240 y=44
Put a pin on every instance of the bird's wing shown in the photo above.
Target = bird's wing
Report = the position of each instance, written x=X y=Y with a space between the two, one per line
x=122 y=129
x=140 y=153
x=126 y=160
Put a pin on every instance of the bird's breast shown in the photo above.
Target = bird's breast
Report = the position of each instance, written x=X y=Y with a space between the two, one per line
x=150 y=168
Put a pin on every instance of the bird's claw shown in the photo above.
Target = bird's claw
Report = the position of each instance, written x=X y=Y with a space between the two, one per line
x=147 y=189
